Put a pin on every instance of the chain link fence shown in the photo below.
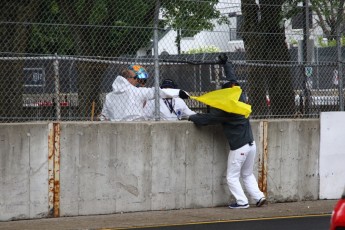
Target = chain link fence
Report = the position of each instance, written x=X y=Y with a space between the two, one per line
x=58 y=59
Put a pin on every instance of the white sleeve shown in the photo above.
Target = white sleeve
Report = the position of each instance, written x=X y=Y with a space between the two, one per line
x=186 y=112
x=163 y=93
x=169 y=93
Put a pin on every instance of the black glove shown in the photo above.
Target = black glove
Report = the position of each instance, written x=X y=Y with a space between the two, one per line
x=183 y=94
x=222 y=59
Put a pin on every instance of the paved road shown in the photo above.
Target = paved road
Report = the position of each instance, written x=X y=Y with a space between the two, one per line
x=219 y=216
x=315 y=222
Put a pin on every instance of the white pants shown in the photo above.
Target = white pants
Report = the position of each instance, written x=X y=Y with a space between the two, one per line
x=240 y=164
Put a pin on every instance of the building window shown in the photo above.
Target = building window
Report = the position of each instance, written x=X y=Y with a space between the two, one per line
x=239 y=22
x=235 y=32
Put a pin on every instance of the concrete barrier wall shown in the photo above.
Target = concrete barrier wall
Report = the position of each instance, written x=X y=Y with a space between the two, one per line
x=332 y=155
x=293 y=160
x=23 y=171
x=107 y=168
x=121 y=167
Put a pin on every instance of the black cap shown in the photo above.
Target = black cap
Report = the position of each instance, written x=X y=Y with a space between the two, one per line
x=230 y=84
x=230 y=76
x=168 y=83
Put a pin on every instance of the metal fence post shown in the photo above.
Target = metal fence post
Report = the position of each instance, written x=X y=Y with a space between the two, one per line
x=56 y=99
x=156 y=61
x=306 y=62
x=340 y=69
x=340 y=73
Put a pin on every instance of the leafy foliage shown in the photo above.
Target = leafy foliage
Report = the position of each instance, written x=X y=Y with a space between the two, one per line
x=204 y=49
x=190 y=17
x=329 y=43
x=106 y=28
x=328 y=14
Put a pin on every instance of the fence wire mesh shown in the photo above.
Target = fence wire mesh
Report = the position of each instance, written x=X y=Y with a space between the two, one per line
x=59 y=59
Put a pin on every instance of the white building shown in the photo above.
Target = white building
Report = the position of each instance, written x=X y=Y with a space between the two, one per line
x=225 y=37
x=222 y=36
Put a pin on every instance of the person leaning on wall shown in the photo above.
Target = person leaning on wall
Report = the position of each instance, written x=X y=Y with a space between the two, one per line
x=127 y=100
x=171 y=109
x=136 y=75
x=238 y=132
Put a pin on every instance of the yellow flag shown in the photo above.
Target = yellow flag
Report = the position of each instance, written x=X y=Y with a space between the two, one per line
x=226 y=100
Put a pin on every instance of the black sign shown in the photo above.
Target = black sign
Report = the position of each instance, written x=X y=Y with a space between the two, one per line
x=34 y=77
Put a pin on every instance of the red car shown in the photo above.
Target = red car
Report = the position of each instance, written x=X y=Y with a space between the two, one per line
x=338 y=214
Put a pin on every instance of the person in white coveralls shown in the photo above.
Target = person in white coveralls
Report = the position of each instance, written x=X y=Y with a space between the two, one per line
x=171 y=109
x=127 y=100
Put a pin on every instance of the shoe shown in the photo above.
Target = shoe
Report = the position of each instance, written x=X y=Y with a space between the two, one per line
x=261 y=202
x=238 y=206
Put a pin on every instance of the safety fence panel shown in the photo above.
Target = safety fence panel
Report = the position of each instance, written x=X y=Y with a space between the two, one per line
x=59 y=59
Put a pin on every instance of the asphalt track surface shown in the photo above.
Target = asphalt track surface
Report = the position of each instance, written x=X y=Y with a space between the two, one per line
x=312 y=215
x=314 y=222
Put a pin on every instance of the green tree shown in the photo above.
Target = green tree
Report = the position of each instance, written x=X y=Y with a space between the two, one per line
x=190 y=17
x=48 y=33
x=89 y=28
x=327 y=14
x=102 y=28
x=14 y=39
x=264 y=41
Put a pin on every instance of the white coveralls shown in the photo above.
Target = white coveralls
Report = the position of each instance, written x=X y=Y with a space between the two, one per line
x=240 y=164
x=126 y=102
x=171 y=109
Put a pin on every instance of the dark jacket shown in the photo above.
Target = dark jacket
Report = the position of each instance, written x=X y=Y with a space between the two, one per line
x=236 y=128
